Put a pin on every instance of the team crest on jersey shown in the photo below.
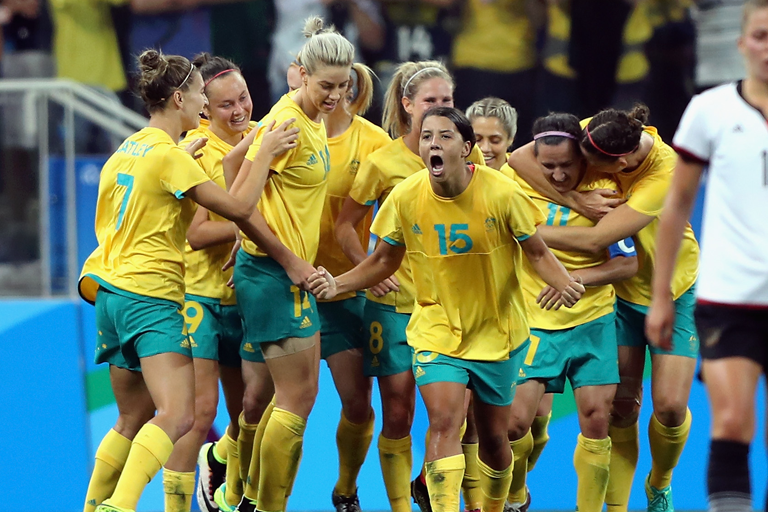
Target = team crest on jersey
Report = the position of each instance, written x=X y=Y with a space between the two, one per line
x=353 y=166
x=490 y=224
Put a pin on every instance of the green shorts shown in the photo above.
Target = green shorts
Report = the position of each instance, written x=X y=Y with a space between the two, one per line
x=341 y=325
x=271 y=306
x=630 y=326
x=387 y=351
x=215 y=331
x=492 y=382
x=130 y=328
x=587 y=355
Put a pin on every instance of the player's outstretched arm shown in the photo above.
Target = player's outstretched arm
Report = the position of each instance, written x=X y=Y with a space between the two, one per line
x=551 y=270
x=677 y=211
x=384 y=261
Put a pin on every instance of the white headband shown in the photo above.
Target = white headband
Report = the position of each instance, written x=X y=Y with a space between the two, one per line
x=416 y=74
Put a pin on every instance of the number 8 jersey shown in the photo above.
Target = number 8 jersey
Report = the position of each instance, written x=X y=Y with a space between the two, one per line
x=142 y=218
x=465 y=255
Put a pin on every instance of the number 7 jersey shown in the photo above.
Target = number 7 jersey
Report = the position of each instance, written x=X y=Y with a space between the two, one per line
x=465 y=256
x=142 y=219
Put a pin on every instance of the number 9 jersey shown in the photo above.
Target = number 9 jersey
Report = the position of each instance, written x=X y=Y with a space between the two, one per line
x=142 y=218
x=465 y=255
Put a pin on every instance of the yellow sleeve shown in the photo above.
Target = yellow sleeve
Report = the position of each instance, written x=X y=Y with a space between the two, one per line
x=509 y=172
x=523 y=214
x=180 y=173
x=648 y=194
x=387 y=225
x=369 y=184
x=476 y=156
x=281 y=162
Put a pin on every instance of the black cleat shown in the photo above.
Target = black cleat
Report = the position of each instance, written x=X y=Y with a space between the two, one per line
x=345 y=503
x=420 y=495
x=212 y=474
x=246 y=505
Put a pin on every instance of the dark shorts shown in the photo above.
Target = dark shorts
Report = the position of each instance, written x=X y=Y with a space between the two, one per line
x=727 y=331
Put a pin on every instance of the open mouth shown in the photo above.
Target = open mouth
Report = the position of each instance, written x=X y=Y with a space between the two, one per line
x=436 y=165
x=330 y=105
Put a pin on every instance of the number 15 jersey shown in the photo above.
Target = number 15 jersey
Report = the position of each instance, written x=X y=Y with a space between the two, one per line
x=465 y=255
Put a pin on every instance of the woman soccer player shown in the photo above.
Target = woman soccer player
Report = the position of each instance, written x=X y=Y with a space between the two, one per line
x=136 y=276
x=415 y=88
x=456 y=219
x=577 y=344
x=619 y=145
x=213 y=323
x=279 y=316
x=725 y=129
x=351 y=139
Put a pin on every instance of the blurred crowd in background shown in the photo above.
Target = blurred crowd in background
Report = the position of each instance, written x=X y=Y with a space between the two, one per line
x=540 y=55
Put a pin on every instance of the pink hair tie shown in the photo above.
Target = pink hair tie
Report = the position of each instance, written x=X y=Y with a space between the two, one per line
x=217 y=75
x=615 y=155
x=554 y=134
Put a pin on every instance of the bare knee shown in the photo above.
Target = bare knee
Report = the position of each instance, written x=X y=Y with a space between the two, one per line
x=670 y=410
x=356 y=405
x=495 y=451
x=255 y=400
x=625 y=409
x=594 y=421
x=129 y=423
x=397 y=417
x=177 y=422
x=205 y=413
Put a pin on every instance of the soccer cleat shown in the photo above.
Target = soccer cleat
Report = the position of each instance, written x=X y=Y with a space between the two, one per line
x=212 y=473
x=220 y=500
x=345 y=503
x=246 y=505
x=659 y=500
x=519 y=507
x=420 y=495
x=106 y=507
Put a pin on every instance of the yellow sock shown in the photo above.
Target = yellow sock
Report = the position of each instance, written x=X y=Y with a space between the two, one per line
x=149 y=452
x=179 y=488
x=540 y=438
x=428 y=439
x=444 y=482
x=245 y=445
x=667 y=444
x=396 y=462
x=251 y=482
x=220 y=449
x=495 y=484
x=234 y=482
x=110 y=459
x=521 y=450
x=591 y=460
x=625 y=448
x=353 y=441
x=280 y=455
x=470 y=485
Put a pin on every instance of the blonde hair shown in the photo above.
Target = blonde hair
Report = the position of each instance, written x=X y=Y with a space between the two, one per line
x=750 y=6
x=406 y=81
x=498 y=108
x=364 y=96
x=324 y=46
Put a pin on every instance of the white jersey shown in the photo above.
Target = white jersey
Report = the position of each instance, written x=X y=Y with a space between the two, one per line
x=719 y=128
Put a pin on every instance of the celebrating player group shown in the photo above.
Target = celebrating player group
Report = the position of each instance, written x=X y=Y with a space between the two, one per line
x=240 y=255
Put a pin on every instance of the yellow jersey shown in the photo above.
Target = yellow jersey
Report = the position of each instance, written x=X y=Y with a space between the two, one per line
x=347 y=151
x=597 y=301
x=293 y=197
x=645 y=190
x=142 y=219
x=204 y=276
x=495 y=36
x=378 y=175
x=465 y=255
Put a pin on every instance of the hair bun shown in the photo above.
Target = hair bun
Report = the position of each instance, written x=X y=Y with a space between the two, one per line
x=151 y=61
x=312 y=26
x=640 y=113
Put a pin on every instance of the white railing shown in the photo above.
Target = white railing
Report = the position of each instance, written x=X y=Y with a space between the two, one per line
x=74 y=98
